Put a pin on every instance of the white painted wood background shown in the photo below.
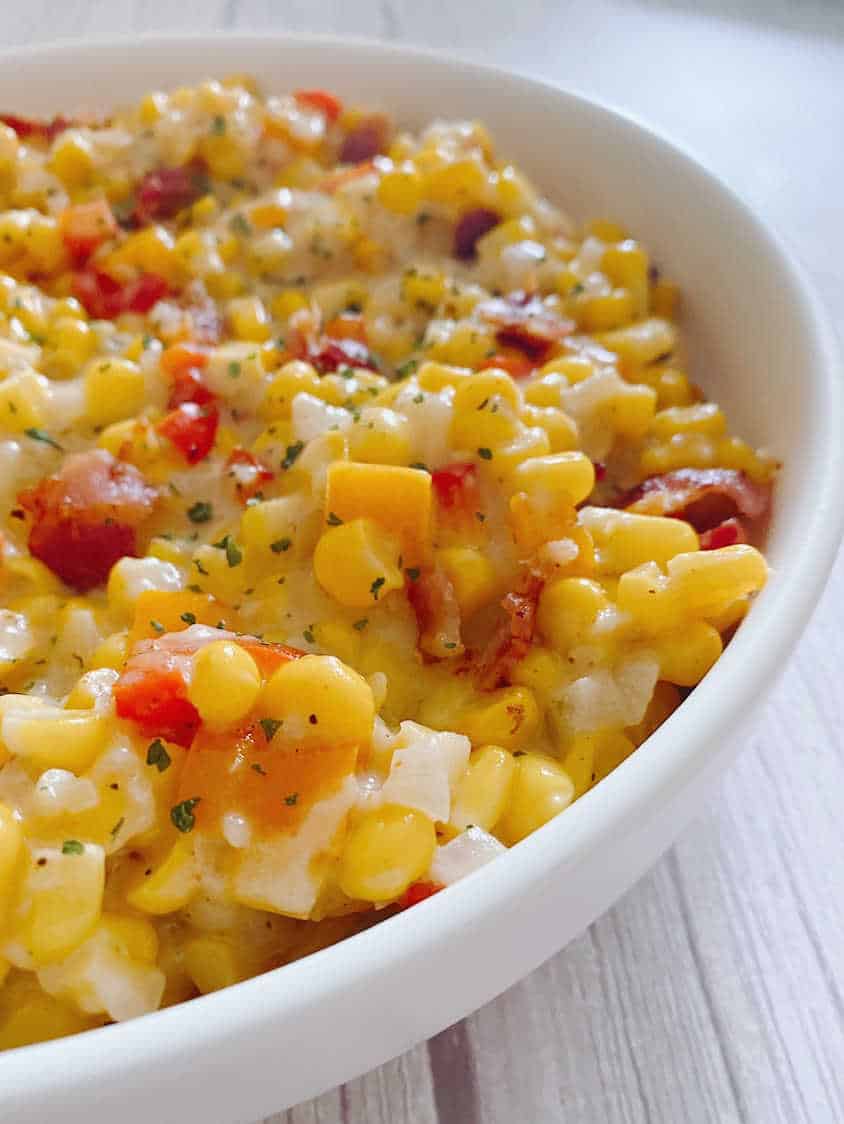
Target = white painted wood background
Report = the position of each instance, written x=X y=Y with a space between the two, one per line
x=714 y=991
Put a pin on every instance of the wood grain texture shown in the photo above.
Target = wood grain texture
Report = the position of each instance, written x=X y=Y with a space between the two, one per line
x=714 y=991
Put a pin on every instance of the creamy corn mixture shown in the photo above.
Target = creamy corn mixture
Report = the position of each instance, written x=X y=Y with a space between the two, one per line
x=358 y=515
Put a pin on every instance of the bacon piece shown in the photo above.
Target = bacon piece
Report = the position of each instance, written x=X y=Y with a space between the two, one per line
x=248 y=473
x=703 y=497
x=471 y=227
x=433 y=600
x=526 y=323
x=84 y=518
x=512 y=640
x=365 y=140
x=32 y=128
x=327 y=104
x=728 y=533
x=333 y=355
x=164 y=192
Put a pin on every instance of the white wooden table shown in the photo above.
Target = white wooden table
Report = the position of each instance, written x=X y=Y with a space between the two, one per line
x=714 y=991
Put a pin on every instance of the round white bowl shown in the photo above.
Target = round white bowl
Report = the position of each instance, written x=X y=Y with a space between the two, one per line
x=759 y=347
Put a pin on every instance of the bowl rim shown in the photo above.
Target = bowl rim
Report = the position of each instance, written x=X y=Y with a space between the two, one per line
x=635 y=790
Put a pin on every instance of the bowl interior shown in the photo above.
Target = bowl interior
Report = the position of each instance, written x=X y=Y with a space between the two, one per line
x=757 y=347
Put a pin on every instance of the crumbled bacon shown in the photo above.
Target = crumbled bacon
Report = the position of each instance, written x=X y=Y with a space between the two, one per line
x=703 y=497
x=365 y=140
x=85 y=517
x=728 y=533
x=163 y=192
x=526 y=323
x=434 y=602
x=333 y=355
x=511 y=642
x=471 y=227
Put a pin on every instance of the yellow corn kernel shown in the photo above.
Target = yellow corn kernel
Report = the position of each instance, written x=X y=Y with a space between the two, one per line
x=224 y=155
x=151 y=250
x=273 y=526
x=648 y=596
x=213 y=962
x=642 y=342
x=457 y=184
x=288 y=301
x=508 y=717
x=295 y=377
x=529 y=441
x=356 y=563
x=611 y=748
x=380 y=436
x=482 y=794
x=686 y=656
x=664 y=701
x=560 y=428
x=29 y=1015
x=570 y=474
x=463 y=344
x=114 y=389
x=249 y=320
x=514 y=195
x=225 y=683
x=435 y=376
x=131 y=577
x=705 y=418
x=267 y=216
x=24 y=401
x=683 y=450
x=64 y=896
x=204 y=210
x=423 y=289
x=397 y=498
x=624 y=539
x=320 y=698
x=152 y=108
x=170 y=885
x=568 y=610
x=604 y=312
x=386 y=850
x=30 y=576
x=225 y=286
x=626 y=264
x=665 y=299
x=545 y=390
x=541 y=789
x=708 y=581
x=53 y=738
x=11 y=847
x=731 y=616
x=472 y=577
x=400 y=189
x=606 y=230
x=111 y=652
x=72 y=159
x=542 y=669
x=133 y=936
x=574 y=368
x=579 y=763
x=214 y=574
x=339 y=638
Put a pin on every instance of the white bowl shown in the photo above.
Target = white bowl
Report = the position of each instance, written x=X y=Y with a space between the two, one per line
x=760 y=348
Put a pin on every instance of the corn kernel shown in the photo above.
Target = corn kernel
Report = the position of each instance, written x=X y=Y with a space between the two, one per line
x=705 y=418
x=400 y=189
x=212 y=962
x=134 y=937
x=624 y=539
x=320 y=698
x=472 y=577
x=380 y=436
x=72 y=159
x=249 y=320
x=287 y=302
x=508 y=717
x=131 y=577
x=482 y=794
x=422 y=289
x=11 y=847
x=385 y=851
x=225 y=683
x=686 y=656
x=24 y=401
x=64 y=894
x=53 y=738
x=540 y=790
x=170 y=885
x=356 y=563
x=643 y=342
x=570 y=473
x=707 y=582
x=568 y=610
x=114 y=389
x=604 y=312
x=626 y=264
x=397 y=498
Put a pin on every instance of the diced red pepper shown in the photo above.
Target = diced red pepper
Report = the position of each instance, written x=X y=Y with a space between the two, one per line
x=192 y=429
x=85 y=226
x=515 y=363
x=184 y=362
x=418 y=892
x=156 y=699
x=104 y=298
x=32 y=127
x=456 y=486
x=326 y=103
x=248 y=473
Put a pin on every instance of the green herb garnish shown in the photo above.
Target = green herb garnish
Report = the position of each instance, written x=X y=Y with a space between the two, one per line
x=44 y=437
x=72 y=847
x=375 y=588
x=270 y=726
x=158 y=756
x=292 y=454
x=181 y=815
x=200 y=512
